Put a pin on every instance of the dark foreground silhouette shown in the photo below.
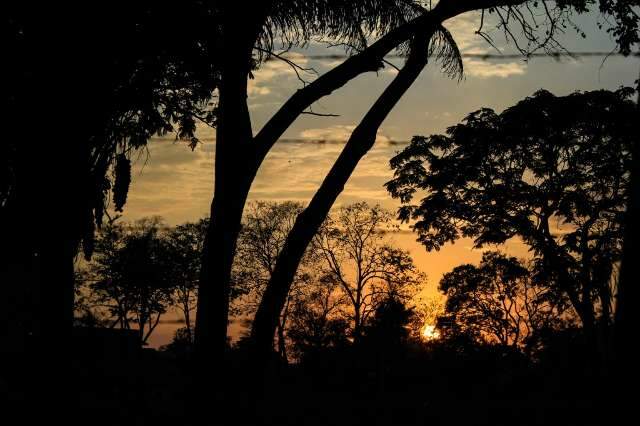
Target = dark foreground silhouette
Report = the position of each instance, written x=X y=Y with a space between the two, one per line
x=387 y=378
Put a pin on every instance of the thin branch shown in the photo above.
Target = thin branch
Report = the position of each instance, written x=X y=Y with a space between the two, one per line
x=318 y=114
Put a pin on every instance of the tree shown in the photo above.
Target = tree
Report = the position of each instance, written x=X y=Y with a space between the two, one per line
x=423 y=322
x=389 y=328
x=499 y=302
x=317 y=323
x=239 y=154
x=185 y=245
x=366 y=268
x=181 y=345
x=627 y=289
x=552 y=171
x=101 y=90
x=264 y=230
x=131 y=276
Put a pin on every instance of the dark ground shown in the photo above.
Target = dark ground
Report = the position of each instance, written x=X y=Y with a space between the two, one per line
x=424 y=386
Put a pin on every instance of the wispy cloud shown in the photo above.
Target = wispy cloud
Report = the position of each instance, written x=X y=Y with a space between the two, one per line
x=338 y=132
x=482 y=69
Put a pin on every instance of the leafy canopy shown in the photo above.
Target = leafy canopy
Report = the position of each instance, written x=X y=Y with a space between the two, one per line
x=498 y=302
x=496 y=176
x=552 y=171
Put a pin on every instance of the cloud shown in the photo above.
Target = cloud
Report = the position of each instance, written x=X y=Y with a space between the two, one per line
x=275 y=70
x=339 y=132
x=463 y=28
x=255 y=89
x=438 y=115
x=336 y=132
x=482 y=69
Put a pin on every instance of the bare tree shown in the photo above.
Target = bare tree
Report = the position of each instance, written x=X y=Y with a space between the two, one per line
x=361 y=262
x=185 y=243
x=264 y=230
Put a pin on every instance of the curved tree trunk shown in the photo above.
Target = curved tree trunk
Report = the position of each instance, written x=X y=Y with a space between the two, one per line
x=308 y=222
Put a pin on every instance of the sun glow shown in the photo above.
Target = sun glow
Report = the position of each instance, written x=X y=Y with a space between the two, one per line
x=429 y=332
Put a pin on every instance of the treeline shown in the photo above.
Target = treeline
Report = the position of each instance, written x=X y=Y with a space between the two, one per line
x=142 y=270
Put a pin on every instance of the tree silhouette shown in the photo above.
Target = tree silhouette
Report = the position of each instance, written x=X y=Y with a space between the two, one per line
x=185 y=244
x=365 y=267
x=553 y=171
x=388 y=328
x=264 y=230
x=627 y=290
x=132 y=276
x=239 y=154
x=98 y=91
x=317 y=323
x=498 y=302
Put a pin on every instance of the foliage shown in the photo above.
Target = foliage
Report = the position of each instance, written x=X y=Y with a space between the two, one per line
x=626 y=18
x=185 y=243
x=295 y=22
x=498 y=302
x=181 y=345
x=389 y=327
x=264 y=230
x=115 y=86
x=316 y=323
x=131 y=275
x=553 y=171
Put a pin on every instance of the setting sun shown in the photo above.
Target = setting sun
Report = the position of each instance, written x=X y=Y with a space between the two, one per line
x=429 y=332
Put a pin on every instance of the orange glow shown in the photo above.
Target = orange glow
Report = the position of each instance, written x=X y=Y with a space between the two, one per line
x=429 y=332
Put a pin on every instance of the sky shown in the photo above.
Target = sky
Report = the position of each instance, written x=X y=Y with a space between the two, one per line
x=171 y=181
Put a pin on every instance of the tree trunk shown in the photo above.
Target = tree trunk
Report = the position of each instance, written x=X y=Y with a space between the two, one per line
x=357 y=324
x=282 y=346
x=187 y=322
x=309 y=221
x=233 y=176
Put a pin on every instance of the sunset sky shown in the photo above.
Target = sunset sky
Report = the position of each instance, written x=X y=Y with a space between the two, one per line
x=177 y=184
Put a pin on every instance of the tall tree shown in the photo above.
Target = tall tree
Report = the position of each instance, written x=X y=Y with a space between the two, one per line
x=82 y=96
x=553 y=171
x=627 y=294
x=239 y=154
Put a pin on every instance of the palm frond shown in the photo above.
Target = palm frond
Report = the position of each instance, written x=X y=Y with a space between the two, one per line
x=296 y=22
x=444 y=49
